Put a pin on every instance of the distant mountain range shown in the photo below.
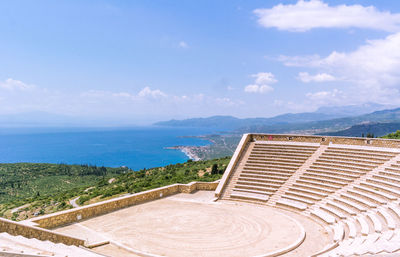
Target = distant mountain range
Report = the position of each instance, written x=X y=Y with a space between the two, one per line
x=323 y=121
x=377 y=129
x=232 y=123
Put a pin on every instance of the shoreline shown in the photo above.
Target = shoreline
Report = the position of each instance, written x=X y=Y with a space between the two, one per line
x=187 y=150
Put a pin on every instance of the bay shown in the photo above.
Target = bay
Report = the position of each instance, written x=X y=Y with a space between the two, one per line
x=136 y=148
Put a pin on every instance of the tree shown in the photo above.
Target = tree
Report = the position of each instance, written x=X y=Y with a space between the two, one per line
x=214 y=169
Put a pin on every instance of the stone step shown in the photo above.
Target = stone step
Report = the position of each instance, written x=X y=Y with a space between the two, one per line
x=313 y=187
x=316 y=183
x=342 y=207
x=368 y=152
x=253 y=191
x=270 y=188
x=267 y=184
x=341 y=170
x=298 y=199
x=388 y=178
x=390 y=222
x=265 y=172
x=273 y=162
x=281 y=155
x=358 y=200
x=380 y=159
x=329 y=177
x=392 y=171
x=372 y=184
x=324 y=216
x=249 y=196
x=352 y=204
x=292 y=204
x=282 y=151
x=383 y=182
x=352 y=229
x=278 y=176
x=375 y=192
x=302 y=195
x=279 y=166
x=271 y=179
x=334 y=211
x=334 y=173
x=349 y=159
x=308 y=191
x=281 y=158
x=279 y=147
x=338 y=232
x=344 y=165
x=363 y=224
x=369 y=197
x=322 y=179
x=376 y=223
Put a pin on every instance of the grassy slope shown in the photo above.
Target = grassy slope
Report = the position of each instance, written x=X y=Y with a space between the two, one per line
x=395 y=135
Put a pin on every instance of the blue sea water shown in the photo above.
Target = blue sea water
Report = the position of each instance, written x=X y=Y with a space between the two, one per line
x=136 y=148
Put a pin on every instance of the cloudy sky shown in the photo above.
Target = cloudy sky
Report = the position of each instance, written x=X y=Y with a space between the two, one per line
x=145 y=61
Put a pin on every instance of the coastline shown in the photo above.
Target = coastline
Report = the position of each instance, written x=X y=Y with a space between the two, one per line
x=188 y=151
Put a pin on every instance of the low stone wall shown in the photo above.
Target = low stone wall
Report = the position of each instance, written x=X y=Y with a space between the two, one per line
x=326 y=140
x=73 y=215
x=19 y=229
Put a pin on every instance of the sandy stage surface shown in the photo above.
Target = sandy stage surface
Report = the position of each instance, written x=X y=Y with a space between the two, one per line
x=191 y=225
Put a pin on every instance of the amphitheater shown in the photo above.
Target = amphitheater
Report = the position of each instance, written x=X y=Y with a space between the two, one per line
x=281 y=195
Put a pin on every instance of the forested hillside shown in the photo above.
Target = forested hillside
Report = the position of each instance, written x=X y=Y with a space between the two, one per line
x=30 y=189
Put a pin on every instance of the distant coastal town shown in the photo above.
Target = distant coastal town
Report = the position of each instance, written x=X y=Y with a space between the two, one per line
x=190 y=151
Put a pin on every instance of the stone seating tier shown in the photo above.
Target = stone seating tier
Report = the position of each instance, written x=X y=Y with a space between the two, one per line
x=327 y=180
x=353 y=189
x=377 y=192
x=335 y=169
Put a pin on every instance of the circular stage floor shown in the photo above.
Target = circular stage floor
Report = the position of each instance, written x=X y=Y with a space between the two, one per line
x=192 y=225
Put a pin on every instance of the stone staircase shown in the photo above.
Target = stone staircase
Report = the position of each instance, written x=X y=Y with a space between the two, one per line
x=353 y=191
x=264 y=168
x=278 y=194
x=22 y=246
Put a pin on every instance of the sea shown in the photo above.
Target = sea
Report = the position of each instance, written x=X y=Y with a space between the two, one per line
x=136 y=148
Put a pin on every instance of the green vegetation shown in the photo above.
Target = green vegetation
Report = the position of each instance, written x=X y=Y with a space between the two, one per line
x=19 y=181
x=222 y=145
x=395 y=135
x=134 y=182
x=28 y=189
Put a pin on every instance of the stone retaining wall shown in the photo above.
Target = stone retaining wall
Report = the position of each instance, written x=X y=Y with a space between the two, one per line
x=325 y=140
x=69 y=216
x=19 y=229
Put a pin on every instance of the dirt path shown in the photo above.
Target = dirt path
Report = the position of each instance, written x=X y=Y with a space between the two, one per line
x=73 y=202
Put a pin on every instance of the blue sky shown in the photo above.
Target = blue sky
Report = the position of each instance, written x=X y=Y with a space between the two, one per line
x=143 y=61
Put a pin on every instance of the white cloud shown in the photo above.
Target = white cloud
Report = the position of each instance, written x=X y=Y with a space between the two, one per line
x=224 y=101
x=326 y=97
x=300 y=61
x=320 y=77
x=183 y=44
x=307 y=15
x=264 y=78
x=258 y=89
x=147 y=92
x=371 y=72
x=12 y=84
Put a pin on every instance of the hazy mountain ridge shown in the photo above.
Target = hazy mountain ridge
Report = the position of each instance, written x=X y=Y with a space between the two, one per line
x=317 y=127
x=377 y=129
x=310 y=123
